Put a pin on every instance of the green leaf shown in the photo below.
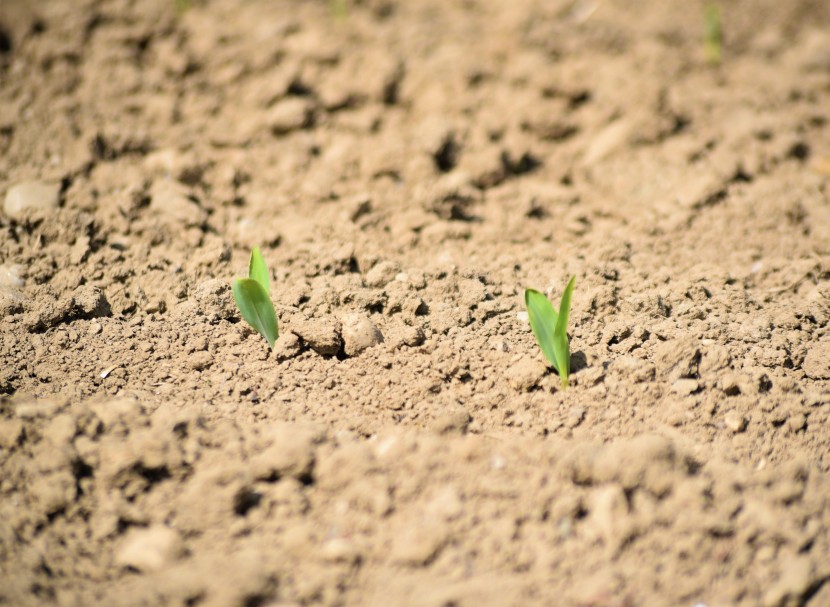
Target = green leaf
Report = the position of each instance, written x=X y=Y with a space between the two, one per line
x=712 y=34
x=256 y=307
x=561 y=346
x=543 y=320
x=258 y=271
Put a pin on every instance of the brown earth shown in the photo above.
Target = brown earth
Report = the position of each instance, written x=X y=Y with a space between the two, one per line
x=408 y=168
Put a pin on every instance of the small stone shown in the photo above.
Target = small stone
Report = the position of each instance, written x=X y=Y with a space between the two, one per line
x=678 y=358
x=685 y=387
x=796 y=421
x=452 y=422
x=607 y=141
x=10 y=431
x=797 y=576
x=11 y=301
x=54 y=492
x=608 y=517
x=359 y=334
x=447 y=504
x=199 y=361
x=89 y=302
x=173 y=204
x=288 y=115
x=733 y=384
x=10 y=276
x=321 y=334
x=150 y=549
x=575 y=417
x=30 y=195
x=289 y=452
x=735 y=422
x=418 y=545
x=382 y=274
x=340 y=550
x=412 y=336
x=287 y=346
x=526 y=373
x=816 y=364
x=698 y=191
x=630 y=369
x=214 y=299
x=714 y=358
x=816 y=399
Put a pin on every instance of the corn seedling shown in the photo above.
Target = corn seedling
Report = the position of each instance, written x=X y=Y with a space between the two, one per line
x=253 y=299
x=339 y=9
x=551 y=328
x=712 y=34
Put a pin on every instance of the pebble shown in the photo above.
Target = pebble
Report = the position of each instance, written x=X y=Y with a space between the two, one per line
x=796 y=421
x=10 y=277
x=289 y=115
x=608 y=513
x=797 y=576
x=382 y=274
x=685 y=387
x=199 y=361
x=575 y=417
x=359 y=334
x=290 y=453
x=173 y=204
x=417 y=545
x=287 y=346
x=10 y=431
x=678 y=358
x=150 y=549
x=735 y=422
x=526 y=373
x=817 y=362
x=340 y=550
x=30 y=195
x=321 y=334
x=214 y=299
x=607 y=141
x=89 y=302
x=454 y=421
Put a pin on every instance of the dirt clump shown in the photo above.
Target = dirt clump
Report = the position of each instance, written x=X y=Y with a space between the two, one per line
x=408 y=169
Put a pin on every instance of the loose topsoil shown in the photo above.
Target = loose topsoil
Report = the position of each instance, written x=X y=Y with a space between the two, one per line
x=408 y=168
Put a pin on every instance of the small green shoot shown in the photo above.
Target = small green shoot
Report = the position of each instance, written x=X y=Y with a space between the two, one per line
x=182 y=6
x=551 y=328
x=253 y=300
x=712 y=34
x=339 y=9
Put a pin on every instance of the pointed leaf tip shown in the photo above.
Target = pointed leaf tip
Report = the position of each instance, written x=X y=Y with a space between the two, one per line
x=562 y=347
x=258 y=271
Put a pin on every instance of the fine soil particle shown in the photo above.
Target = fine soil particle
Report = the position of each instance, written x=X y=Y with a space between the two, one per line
x=408 y=169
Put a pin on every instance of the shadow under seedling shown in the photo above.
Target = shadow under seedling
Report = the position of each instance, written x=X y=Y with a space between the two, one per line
x=253 y=299
x=551 y=328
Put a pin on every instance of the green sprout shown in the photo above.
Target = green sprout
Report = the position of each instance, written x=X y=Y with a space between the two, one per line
x=253 y=300
x=551 y=328
x=712 y=34
x=339 y=9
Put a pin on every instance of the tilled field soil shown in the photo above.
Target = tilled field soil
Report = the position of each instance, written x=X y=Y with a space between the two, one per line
x=408 y=168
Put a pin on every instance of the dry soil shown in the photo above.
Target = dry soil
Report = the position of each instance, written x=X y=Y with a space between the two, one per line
x=408 y=168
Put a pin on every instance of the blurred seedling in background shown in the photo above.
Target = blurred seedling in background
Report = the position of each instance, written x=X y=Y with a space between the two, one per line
x=339 y=9
x=182 y=6
x=712 y=34
x=551 y=328
x=252 y=296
